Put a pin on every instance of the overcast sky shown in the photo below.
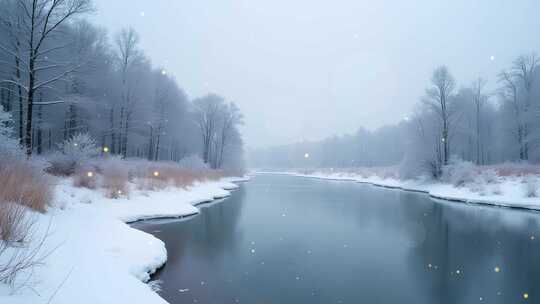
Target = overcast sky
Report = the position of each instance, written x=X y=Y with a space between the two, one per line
x=308 y=69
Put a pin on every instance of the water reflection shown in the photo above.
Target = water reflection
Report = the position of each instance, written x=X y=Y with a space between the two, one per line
x=290 y=240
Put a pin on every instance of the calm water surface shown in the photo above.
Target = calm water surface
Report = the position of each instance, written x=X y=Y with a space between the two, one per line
x=281 y=239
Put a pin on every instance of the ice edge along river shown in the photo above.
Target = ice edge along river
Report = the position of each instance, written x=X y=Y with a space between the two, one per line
x=510 y=188
x=91 y=255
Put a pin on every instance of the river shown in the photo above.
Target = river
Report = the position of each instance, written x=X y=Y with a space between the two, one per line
x=284 y=239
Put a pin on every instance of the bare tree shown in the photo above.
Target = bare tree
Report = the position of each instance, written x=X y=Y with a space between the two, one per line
x=523 y=69
x=479 y=98
x=443 y=86
x=520 y=78
x=40 y=21
x=127 y=41
x=207 y=117
x=231 y=118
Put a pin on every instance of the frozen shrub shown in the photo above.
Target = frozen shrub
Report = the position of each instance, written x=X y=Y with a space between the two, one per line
x=489 y=176
x=115 y=177
x=478 y=186
x=73 y=152
x=14 y=223
x=16 y=230
x=496 y=189
x=61 y=165
x=532 y=186
x=193 y=162
x=85 y=177
x=459 y=173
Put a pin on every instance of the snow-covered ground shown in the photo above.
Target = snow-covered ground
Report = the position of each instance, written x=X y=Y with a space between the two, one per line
x=508 y=191
x=95 y=257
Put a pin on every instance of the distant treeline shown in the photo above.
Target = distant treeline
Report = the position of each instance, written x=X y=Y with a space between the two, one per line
x=468 y=123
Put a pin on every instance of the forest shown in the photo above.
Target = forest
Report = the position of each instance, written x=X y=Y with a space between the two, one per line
x=61 y=76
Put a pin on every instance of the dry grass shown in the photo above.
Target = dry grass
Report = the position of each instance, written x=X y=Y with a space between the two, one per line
x=13 y=223
x=86 y=178
x=115 y=176
x=21 y=182
x=22 y=187
x=514 y=169
x=115 y=180
x=158 y=177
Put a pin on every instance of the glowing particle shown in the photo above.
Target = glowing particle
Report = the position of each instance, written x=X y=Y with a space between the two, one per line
x=163 y=72
x=297 y=278
x=429 y=265
x=497 y=269
x=492 y=58
x=75 y=144
x=142 y=14
x=532 y=237
x=119 y=192
x=156 y=173
x=252 y=250
x=458 y=271
x=105 y=149
x=90 y=174
x=183 y=290
x=306 y=155
x=525 y=295
x=481 y=299
x=202 y=283
x=283 y=215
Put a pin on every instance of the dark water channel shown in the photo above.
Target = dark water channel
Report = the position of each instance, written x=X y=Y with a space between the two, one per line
x=281 y=239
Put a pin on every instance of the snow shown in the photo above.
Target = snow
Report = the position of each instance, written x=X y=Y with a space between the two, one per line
x=507 y=191
x=95 y=256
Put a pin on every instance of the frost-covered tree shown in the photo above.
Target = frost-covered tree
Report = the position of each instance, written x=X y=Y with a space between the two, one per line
x=35 y=25
x=439 y=99
x=79 y=147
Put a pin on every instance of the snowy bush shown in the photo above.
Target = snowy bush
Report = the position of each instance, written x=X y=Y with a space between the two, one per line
x=489 y=176
x=193 y=162
x=496 y=189
x=80 y=147
x=73 y=152
x=532 y=185
x=116 y=175
x=85 y=177
x=478 y=186
x=459 y=173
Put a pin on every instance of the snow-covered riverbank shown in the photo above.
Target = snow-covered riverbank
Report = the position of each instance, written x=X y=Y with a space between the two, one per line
x=95 y=257
x=509 y=191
